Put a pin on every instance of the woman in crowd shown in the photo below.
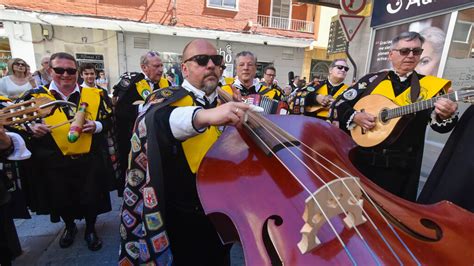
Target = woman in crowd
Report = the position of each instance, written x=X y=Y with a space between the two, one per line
x=19 y=79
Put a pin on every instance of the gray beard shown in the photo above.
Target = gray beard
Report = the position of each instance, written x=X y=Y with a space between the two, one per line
x=209 y=88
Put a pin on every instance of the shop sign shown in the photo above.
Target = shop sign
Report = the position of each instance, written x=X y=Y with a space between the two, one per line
x=386 y=11
x=337 y=39
x=96 y=59
x=228 y=60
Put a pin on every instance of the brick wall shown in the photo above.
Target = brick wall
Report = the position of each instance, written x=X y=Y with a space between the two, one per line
x=192 y=14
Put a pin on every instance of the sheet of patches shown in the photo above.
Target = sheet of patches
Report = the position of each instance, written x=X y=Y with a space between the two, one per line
x=143 y=238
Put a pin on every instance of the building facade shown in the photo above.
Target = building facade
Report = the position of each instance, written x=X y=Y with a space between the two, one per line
x=113 y=34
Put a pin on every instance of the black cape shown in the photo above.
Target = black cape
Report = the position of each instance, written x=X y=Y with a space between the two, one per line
x=452 y=176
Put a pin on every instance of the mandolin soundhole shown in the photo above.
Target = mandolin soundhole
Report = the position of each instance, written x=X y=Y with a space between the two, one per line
x=384 y=116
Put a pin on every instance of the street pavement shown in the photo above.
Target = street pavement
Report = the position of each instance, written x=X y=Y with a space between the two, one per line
x=39 y=240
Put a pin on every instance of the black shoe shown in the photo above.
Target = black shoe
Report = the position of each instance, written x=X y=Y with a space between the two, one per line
x=93 y=241
x=67 y=238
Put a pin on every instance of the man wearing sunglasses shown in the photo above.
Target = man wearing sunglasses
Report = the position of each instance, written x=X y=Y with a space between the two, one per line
x=172 y=134
x=320 y=97
x=128 y=93
x=71 y=181
x=396 y=166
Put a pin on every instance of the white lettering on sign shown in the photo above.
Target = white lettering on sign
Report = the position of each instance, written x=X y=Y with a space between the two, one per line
x=399 y=4
x=227 y=53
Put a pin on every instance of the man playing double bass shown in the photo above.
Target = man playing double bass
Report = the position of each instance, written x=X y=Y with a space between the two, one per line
x=162 y=220
x=396 y=167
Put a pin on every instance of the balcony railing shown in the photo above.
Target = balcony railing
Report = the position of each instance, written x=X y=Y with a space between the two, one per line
x=285 y=23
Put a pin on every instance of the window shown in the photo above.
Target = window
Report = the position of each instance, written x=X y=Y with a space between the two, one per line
x=224 y=4
x=281 y=8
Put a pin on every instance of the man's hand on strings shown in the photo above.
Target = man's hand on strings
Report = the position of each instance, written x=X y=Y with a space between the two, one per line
x=231 y=113
x=445 y=108
x=364 y=120
x=39 y=130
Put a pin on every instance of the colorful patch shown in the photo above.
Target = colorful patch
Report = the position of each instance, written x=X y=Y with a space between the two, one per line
x=153 y=221
x=142 y=160
x=160 y=242
x=144 y=252
x=165 y=259
x=133 y=249
x=310 y=89
x=136 y=144
x=135 y=177
x=139 y=208
x=138 y=231
x=125 y=262
x=145 y=93
x=123 y=232
x=128 y=219
x=129 y=197
x=362 y=85
x=166 y=93
x=350 y=94
x=142 y=128
x=149 y=197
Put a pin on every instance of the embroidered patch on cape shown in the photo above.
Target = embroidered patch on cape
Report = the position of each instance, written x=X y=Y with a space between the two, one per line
x=350 y=94
x=135 y=142
x=160 y=242
x=133 y=249
x=135 y=177
x=144 y=252
x=149 y=197
x=153 y=221
x=128 y=219
x=129 y=197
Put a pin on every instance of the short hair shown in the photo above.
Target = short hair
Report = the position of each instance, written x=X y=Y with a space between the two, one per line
x=85 y=66
x=62 y=55
x=44 y=58
x=245 y=53
x=144 y=58
x=407 y=36
x=333 y=63
x=269 y=67
x=436 y=37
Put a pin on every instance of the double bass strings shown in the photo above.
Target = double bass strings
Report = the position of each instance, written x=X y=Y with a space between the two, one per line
x=270 y=131
x=345 y=172
x=309 y=192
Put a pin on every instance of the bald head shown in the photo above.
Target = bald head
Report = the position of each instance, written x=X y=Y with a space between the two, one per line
x=197 y=45
x=201 y=74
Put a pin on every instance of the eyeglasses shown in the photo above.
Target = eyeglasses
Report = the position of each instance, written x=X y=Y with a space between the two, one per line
x=223 y=67
x=343 y=67
x=203 y=59
x=60 y=70
x=406 y=51
x=20 y=64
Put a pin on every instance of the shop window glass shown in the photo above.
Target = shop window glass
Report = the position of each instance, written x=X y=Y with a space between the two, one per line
x=5 y=55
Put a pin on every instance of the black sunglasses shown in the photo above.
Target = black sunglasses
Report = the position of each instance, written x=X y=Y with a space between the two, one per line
x=203 y=59
x=60 y=70
x=19 y=64
x=406 y=51
x=343 y=67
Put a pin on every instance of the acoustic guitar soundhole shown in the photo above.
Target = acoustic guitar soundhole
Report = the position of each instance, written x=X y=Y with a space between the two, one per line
x=384 y=116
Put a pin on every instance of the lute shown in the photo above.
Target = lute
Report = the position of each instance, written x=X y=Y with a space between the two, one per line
x=389 y=114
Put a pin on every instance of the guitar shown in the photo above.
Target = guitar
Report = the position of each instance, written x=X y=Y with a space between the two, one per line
x=387 y=124
x=20 y=113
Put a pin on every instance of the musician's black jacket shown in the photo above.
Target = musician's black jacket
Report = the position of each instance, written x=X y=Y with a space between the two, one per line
x=395 y=167
x=451 y=177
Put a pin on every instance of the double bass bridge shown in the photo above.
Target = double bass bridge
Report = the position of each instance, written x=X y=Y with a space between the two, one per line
x=340 y=196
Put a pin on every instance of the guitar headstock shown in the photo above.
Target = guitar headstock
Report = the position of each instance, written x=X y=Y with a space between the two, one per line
x=30 y=110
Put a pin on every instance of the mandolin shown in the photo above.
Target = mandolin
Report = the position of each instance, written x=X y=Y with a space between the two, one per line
x=22 y=112
x=388 y=124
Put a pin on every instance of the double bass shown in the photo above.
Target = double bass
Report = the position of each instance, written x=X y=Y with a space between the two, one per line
x=285 y=187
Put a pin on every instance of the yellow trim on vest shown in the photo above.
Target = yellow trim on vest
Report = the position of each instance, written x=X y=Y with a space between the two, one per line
x=143 y=88
x=195 y=148
x=163 y=83
x=227 y=87
x=59 y=134
x=323 y=90
x=430 y=86
x=4 y=99
x=271 y=93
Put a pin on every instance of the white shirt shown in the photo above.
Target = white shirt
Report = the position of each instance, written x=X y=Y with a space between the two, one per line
x=181 y=119
x=20 y=152
x=11 y=90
